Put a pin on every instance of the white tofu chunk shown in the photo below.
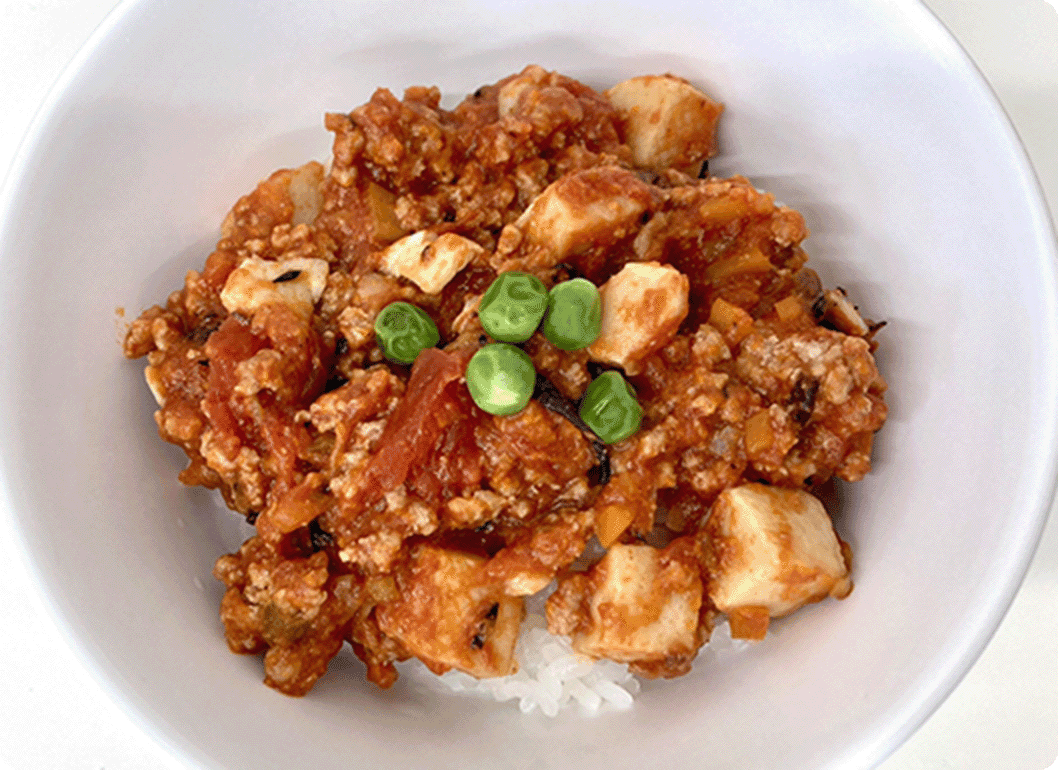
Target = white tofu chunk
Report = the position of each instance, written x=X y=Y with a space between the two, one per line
x=641 y=607
x=584 y=211
x=775 y=551
x=451 y=615
x=255 y=283
x=838 y=310
x=306 y=193
x=526 y=583
x=514 y=90
x=643 y=306
x=667 y=122
x=428 y=260
x=153 y=375
x=540 y=100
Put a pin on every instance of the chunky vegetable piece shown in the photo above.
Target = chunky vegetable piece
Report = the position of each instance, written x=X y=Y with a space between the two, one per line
x=574 y=314
x=404 y=331
x=513 y=307
x=329 y=370
x=500 y=378
x=610 y=408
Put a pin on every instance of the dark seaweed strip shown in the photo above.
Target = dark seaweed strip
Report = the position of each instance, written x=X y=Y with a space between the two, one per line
x=483 y=627
x=205 y=329
x=819 y=307
x=600 y=474
x=551 y=398
x=321 y=538
x=570 y=270
x=802 y=398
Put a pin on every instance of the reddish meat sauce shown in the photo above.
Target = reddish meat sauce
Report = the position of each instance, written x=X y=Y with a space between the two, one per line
x=428 y=442
x=391 y=512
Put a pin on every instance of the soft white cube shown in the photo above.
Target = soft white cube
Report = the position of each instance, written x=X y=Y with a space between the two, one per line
x=668 y=123
x=643 y=306
x=775 y=550
x=298 y=283
x=306 y=193
x=451 y=614
x=582 y=211
x=429 y=260
x=643 y=608
x=515 y=89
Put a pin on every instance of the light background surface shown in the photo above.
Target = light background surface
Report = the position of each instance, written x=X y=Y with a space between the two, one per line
x=1003 y=715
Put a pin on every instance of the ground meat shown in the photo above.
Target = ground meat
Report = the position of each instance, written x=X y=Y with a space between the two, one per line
x=825 y=396
x=391 y=512
x=292 y=608
x=532 y=558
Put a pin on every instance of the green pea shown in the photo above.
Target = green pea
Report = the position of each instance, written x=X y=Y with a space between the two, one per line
x=512 y=307
x=500 y=378
x=574 y=314
x=610 y=408
x=404 y=331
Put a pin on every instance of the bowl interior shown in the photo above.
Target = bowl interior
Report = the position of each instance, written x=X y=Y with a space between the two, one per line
x=929 y=218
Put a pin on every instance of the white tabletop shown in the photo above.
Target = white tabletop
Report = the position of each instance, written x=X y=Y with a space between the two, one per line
x=1003 y=715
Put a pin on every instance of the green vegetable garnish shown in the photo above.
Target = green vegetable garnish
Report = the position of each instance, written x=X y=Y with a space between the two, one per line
x=610 y=408
x=512 y=307
x=500 y=378
x=403 y=331
x=574 y=314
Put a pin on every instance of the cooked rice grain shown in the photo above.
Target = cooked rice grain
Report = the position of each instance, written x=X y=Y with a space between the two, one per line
x=551 y=676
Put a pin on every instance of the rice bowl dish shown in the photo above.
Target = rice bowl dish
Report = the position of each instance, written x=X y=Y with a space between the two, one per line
x=625 y=385
x=910 y=234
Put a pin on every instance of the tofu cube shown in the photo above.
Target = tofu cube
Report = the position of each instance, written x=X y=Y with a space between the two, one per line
x=256 y=282
x=638 y=606
x=584 y=211
x=450 y=614
x=643 y=305
x=306 y=193
x=429 y=260
x=667 y=122
x=774 y=550
x=288 y=196
x=156 y=383
x=515 y=90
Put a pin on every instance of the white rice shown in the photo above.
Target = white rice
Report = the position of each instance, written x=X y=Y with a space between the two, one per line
x=552 y=677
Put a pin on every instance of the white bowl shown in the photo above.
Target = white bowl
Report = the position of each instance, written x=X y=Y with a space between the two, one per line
x=867 y=117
